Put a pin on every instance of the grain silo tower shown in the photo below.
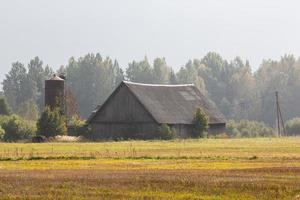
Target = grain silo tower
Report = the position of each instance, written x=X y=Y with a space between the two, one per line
x=55 y=93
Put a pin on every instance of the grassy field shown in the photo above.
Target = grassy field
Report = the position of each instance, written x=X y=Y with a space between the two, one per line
x=181 y=169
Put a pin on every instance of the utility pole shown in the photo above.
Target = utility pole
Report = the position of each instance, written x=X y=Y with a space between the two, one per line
x=277 y=112
x=279 y=117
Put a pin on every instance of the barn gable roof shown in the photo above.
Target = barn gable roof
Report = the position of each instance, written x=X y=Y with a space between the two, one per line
x=172 y=104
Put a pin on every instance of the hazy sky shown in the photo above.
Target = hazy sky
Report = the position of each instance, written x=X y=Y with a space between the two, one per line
x=178 y=30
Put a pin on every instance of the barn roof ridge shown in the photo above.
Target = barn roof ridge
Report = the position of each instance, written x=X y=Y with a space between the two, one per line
x=170 y=105
x=158 y=85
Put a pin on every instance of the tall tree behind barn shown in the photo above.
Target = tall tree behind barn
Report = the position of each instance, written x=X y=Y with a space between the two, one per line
x=137 y=110
x=92 y=79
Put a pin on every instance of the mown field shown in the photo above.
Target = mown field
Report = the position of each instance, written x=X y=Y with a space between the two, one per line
x=181 y=169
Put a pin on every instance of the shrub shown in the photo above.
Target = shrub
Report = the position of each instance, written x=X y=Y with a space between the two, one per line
x=38 y=139
x=200 y=124
x=232 y=129
x=17 y=129
x=51 y=123
x=293 y=126
x=4 y=118
x=77 y=127
x=2 y=132
x=166 y=133
x=247 y=128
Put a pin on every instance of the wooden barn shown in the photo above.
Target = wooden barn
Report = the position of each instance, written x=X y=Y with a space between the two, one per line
x=136 y=110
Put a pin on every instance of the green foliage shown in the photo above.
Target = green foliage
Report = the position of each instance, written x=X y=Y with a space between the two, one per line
x=37 y=75
x=21 y=85
x=28 y=110
x=51 y=123
x=77 y=127
x=200 y=124
x=282 y=75
x=140 y=71
x=293 y=127
x=173 y=78
x=144 y=72
x=4 y=108
x=4 y=118
x=215 y=73
x=16 y=128
x=15 y=85
x=161 y=71
x=166 y=133
x=2 y=133
x=91 y=80
x=246 y=128
x=230 y=84
x=189 y=74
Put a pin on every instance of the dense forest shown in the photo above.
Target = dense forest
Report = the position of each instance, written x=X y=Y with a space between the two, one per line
x=237 y=91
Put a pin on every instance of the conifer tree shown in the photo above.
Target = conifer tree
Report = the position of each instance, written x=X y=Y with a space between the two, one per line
x=200 y=124
x=51 y=123
x=4 y=108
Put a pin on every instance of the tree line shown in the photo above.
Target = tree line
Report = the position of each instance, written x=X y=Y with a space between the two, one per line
x=237 y=90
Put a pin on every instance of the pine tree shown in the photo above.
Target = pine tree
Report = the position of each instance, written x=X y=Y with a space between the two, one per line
x=200 y=124
x=51 y=123
x=161 y=71
x=172 y=79
x=17 y=87
x=4 y=108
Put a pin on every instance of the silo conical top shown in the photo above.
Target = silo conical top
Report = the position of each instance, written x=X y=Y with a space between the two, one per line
x=56 y=78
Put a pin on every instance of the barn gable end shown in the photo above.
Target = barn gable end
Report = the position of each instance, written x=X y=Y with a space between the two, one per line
x=122 y=116
x=122 y=107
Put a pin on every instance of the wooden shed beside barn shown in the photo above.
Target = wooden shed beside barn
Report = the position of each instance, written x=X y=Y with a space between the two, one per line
x=136 y=110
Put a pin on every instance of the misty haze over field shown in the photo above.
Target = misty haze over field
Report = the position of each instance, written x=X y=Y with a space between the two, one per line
x=150 y=99
x=126 y=30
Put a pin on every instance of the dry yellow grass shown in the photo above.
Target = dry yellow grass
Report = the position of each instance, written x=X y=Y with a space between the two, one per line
x=182 y=169
x=207 y=148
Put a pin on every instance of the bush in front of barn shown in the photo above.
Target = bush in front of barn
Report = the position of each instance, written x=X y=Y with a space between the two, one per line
x=200 y=124
x=51 y=123
x=16 y=128
x=166 y=132
x=293 y=127
x=247 y=129
x=77 y=127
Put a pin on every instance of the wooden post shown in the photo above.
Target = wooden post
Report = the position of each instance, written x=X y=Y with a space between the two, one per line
x=278 y=115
